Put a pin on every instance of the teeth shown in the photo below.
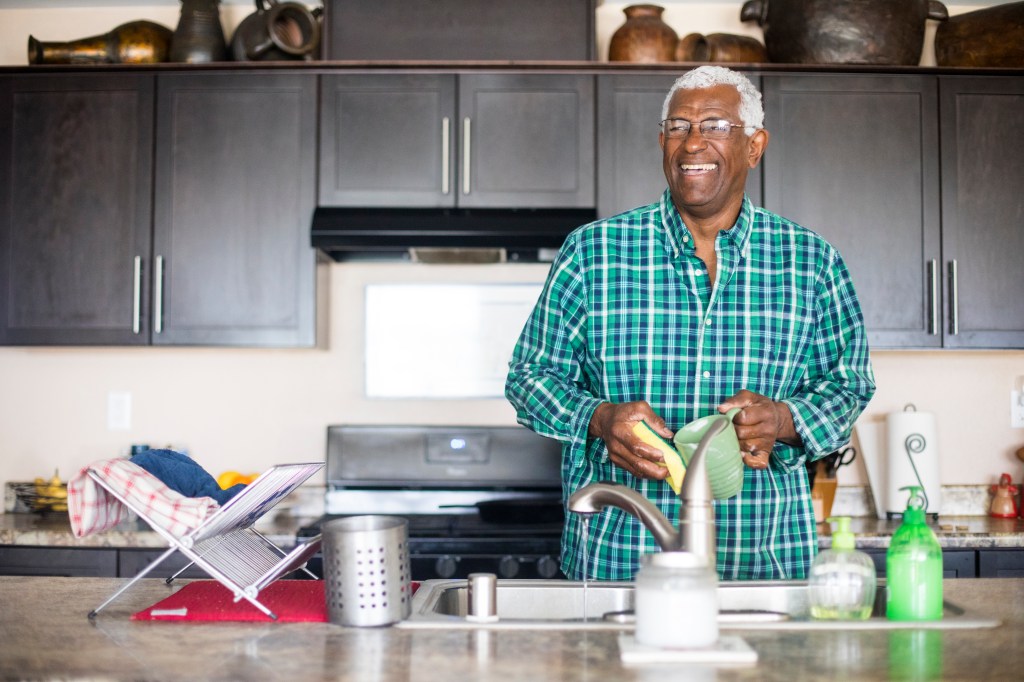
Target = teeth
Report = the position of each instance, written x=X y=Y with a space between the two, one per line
x=698 y=166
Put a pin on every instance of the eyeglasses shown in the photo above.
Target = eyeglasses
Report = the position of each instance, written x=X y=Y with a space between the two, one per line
x=711 y=129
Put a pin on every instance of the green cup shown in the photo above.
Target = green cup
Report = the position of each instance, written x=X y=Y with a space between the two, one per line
x=724 y=462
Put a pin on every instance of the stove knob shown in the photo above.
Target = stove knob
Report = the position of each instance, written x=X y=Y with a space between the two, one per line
x=508 y=567
x=547 y=567
x=445 y=567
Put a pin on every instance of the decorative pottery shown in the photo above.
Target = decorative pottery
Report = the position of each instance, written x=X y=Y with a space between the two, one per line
x=986 y=37
x=644 y=37
x=843 y=31
x=277 y=31
x=199 y=36
x=137 y=42
x=720 y=47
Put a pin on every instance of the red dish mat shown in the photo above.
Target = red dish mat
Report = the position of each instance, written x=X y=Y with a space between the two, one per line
x=293 y=601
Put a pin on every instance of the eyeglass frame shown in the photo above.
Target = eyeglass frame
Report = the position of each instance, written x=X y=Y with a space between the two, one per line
x=699 y=124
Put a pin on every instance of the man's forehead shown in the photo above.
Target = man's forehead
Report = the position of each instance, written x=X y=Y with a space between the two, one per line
x=716 y=97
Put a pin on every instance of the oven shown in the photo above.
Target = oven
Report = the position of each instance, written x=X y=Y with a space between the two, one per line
x=478 y=499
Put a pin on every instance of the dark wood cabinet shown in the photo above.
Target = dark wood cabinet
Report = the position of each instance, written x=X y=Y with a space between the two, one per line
x=1001 y=563
x=956 y=563
x=203 y=242
x=856 y=159
x=982 y=128
x=629 y=160
x=234 y=196
x=58 y=561
x=75 y=208
x=444 y=140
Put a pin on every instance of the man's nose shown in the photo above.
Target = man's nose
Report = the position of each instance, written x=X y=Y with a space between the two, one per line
x=694 y=140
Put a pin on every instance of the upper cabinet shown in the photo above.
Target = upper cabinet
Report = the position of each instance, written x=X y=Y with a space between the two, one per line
x=76 y=180
x=219 y=255
x=472 y=141
x=982 y=128
x=630 y=171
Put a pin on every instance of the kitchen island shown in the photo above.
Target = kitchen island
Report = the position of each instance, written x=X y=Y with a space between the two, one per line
x=45 y=634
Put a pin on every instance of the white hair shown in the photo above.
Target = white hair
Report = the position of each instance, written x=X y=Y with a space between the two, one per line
x=751 y=110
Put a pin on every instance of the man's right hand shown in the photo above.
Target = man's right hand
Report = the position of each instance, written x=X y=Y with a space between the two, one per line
x=613 y=423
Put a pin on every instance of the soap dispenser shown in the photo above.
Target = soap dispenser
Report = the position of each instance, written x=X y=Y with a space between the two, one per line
x=842 y=579
x=913 y=566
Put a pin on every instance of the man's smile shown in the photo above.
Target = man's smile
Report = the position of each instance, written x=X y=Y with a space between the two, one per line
x=697 y=168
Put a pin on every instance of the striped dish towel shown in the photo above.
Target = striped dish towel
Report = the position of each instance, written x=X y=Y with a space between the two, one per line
x=93 y=509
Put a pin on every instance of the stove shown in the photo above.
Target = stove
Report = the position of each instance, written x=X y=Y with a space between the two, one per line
x=478 y=499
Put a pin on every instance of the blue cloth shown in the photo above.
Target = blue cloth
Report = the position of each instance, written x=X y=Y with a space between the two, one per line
x=181 y=474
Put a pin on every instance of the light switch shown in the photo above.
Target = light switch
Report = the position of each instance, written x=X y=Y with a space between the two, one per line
x=1017 y=409
x=119 y=411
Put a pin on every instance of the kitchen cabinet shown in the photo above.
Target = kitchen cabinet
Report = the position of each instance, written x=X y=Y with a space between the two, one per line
x=982 y=125
x=58 y=561
x=167 y=209
x=855 y=158
x=234 y=195
x=444 y=140
x=956 y=563
x=629 y=160
x=75 y=208
x=1001 y=563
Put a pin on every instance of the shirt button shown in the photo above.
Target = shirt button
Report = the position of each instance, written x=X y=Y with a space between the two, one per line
x=686 y=237
x=707 y=374
x=707 y=322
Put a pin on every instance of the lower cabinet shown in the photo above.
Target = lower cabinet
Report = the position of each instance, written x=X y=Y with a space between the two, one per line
x=58 y=561
x=956 y=563
x=1001 y=563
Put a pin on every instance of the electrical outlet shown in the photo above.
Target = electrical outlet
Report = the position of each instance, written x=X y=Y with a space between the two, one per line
x=1017 y=409
x=119 y=411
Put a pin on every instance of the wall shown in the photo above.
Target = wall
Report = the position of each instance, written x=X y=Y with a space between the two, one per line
x=248 y=409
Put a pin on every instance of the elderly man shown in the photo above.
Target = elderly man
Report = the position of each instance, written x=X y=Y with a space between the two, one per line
x=698 y=303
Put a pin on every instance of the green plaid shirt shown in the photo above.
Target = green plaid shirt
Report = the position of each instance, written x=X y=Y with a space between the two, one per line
x=627 y=313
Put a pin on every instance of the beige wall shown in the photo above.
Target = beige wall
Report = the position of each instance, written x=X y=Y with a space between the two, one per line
x=247 y=409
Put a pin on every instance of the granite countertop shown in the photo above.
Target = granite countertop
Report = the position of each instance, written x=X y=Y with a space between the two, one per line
x=45 y=634
x=51 y=529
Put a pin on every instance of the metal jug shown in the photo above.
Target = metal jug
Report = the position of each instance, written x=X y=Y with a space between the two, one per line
x=277 y=31
x=199 y=36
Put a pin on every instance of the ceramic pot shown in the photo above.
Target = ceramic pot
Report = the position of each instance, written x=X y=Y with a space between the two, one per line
x=644 y=37
x=137 y=42
x=277 y=31
x=843 y=31
x=720 y=47
x=199 y=36
x=986 y=37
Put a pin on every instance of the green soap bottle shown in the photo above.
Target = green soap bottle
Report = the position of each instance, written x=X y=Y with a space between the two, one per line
x=913 y=566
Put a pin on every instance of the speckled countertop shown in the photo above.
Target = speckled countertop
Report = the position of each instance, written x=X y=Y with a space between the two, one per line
x=44 y=634
x=53 y=530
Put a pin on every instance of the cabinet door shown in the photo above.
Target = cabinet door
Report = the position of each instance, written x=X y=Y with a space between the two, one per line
x=235 y=191
x=1001 y=563
x=856 y=160
x=62 y=562
x=526 y=141
x=982 y=125
x=629 y=159
x=387 y=140
x=75 y=187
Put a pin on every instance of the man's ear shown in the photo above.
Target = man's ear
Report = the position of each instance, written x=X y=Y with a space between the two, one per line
x=661 y=140
x=757 y=143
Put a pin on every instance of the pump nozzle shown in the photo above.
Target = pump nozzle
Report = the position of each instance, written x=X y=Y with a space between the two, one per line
x=842 y=536
x=916 y=504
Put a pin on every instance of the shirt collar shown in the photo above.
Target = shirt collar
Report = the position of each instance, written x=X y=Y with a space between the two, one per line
x=678 y=233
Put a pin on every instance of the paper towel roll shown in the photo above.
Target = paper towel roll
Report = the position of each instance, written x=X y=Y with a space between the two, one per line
x=912 y=454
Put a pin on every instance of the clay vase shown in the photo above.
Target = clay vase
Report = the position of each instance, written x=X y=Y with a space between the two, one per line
x=277 y=31
x=985 y=37
x=843 y=31
x=720 y=47
x=199 y=36
x=644 y=37
x=137 y=42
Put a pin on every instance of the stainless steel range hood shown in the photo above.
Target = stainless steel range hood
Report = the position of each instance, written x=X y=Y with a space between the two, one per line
x=524 y=235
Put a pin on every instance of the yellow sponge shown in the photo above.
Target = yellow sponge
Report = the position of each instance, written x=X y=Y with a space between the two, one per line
x=673 y=461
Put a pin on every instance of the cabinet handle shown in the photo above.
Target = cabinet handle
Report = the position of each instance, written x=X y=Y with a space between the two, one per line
x=933 y=274
x=137 y=295
x=466 y=142
x=446 y=124
x=954 y=302
x=158 y=296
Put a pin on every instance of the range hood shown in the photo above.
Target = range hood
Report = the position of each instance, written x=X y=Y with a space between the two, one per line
x=482 y=235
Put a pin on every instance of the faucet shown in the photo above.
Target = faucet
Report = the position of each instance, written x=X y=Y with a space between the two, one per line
x=696 y=531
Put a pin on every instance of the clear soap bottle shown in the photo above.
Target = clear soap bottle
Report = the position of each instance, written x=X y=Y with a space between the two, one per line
x=913 y=566
x=842 y=581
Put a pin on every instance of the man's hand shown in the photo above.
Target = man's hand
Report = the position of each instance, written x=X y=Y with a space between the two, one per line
x=759 y=424
x=613 y=423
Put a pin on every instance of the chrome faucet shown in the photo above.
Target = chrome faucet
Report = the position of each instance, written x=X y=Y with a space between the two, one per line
x=696 y=531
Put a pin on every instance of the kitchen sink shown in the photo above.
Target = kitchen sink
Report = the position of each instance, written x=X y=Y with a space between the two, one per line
x=561 y=605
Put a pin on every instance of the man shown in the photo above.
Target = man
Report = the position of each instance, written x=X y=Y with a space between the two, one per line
x=698 y=303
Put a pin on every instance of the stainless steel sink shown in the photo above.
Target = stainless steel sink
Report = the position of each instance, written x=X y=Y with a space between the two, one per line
x=557 y=604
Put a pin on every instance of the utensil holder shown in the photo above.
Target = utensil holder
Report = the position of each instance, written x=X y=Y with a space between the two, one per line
x=366 y=570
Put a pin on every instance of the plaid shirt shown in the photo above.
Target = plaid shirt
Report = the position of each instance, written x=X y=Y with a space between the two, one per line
x=627 y=313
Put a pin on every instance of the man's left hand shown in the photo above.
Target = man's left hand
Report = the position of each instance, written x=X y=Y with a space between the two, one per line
x=759 y=424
